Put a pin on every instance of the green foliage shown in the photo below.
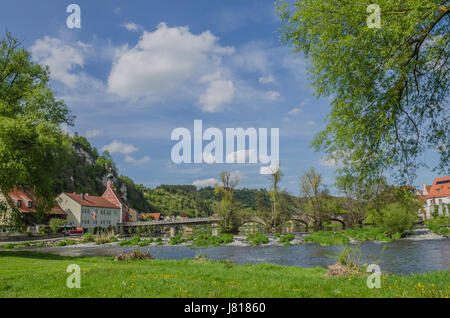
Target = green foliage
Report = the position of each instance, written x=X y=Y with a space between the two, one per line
x=396 y=218
x=435 y=225
x=257 y=238
x=55 y=224
x=327 y=238
x=88 y=238
x=368 y=234
x=389 y=86
x=146 y=242
x=177 y=239
x=211 y=240
x=32 y=150
x=286 y=239
x=134 y=241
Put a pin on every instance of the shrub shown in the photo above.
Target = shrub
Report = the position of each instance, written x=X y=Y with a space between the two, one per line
x=88 y=237
x=286 y=239
x=257 y=238
x=146 y=242
x=134 y=241
x=55 y=224
x=208 y=239
x=327 y=238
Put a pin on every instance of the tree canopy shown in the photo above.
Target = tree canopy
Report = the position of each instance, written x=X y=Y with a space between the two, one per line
x=388 y=86
x=32 y=150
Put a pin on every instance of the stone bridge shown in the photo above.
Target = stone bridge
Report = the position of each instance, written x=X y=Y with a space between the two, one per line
x=305 y=219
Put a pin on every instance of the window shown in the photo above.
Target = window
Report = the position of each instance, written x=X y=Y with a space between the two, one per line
x=29 y=204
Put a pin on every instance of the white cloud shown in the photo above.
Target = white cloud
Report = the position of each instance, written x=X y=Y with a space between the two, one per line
x=62 y=58
x=295 y=111
x=268 y=169
x=119 y=147
x=310 y=122
x=267 y=79
x=272 y=95
x=219 y=92
x=166 y=59
x=211 y=182
x=132 y=27
x=94 y=133
x=130 y=159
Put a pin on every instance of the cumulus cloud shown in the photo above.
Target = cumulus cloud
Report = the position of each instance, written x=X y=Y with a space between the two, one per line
x=119 y=147
x=218 y=93
x=94 y=133
x=62 y=58
x=267 y=80
x=294 y=111
x=132 y=27
x=130 y=159
x=171 y=58
x=243 y=155
x=272 y=95
x=211 y=182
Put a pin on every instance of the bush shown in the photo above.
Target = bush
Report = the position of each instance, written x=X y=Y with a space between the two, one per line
x=398 y=218
x=145 y=242
x=55 y=224
x=257 y=238
x=368 y=234
x=286 y=239
x=87 y=238
x=435 y=225
x=131 y=242
x=208 y=239
x=327 y=238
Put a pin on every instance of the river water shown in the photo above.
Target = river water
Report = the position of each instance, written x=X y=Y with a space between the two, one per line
x=401 y=257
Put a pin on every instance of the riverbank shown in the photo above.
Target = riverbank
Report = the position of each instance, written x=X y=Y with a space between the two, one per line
x=31 y=274
x=324 y=238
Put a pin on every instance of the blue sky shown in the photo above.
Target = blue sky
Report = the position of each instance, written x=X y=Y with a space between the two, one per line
x=136 y=70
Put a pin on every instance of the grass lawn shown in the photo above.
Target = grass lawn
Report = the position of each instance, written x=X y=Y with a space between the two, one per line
x=30 y=274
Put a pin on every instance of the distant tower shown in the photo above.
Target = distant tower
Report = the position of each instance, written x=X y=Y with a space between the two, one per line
x=110 y=180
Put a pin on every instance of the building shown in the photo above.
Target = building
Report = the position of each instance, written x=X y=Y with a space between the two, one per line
x=25 y=202
x=436 y=198
x=151 y=216
x=112 y=196
x=89 y=211
x=133 y=215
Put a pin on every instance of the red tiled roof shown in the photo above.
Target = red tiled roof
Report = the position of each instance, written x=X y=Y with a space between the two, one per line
x=155 y=216
x=439 y=188
x=92 y=201
x=26 y=196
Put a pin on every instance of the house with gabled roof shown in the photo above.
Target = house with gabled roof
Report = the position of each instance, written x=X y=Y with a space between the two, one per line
x=24 y=201
x=436 y=197
x=89 y=211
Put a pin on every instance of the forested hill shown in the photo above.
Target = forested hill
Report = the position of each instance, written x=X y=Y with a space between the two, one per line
x=85 y=171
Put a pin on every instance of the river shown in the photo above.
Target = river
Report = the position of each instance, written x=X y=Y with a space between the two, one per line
x=401 y=257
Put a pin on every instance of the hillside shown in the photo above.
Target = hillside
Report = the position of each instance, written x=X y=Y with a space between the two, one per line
x=86 y=170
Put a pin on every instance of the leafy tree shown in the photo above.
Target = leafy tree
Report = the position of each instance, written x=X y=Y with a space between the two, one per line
x=32 y=147
x=314 y=193
x=275 y=177
x=389 y=86
x=227 y=208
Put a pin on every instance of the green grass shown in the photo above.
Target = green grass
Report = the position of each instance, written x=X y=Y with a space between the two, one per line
x=28 y=274
x=434 y=225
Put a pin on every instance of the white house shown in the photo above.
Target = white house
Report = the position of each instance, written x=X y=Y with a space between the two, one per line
x=436 y=196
